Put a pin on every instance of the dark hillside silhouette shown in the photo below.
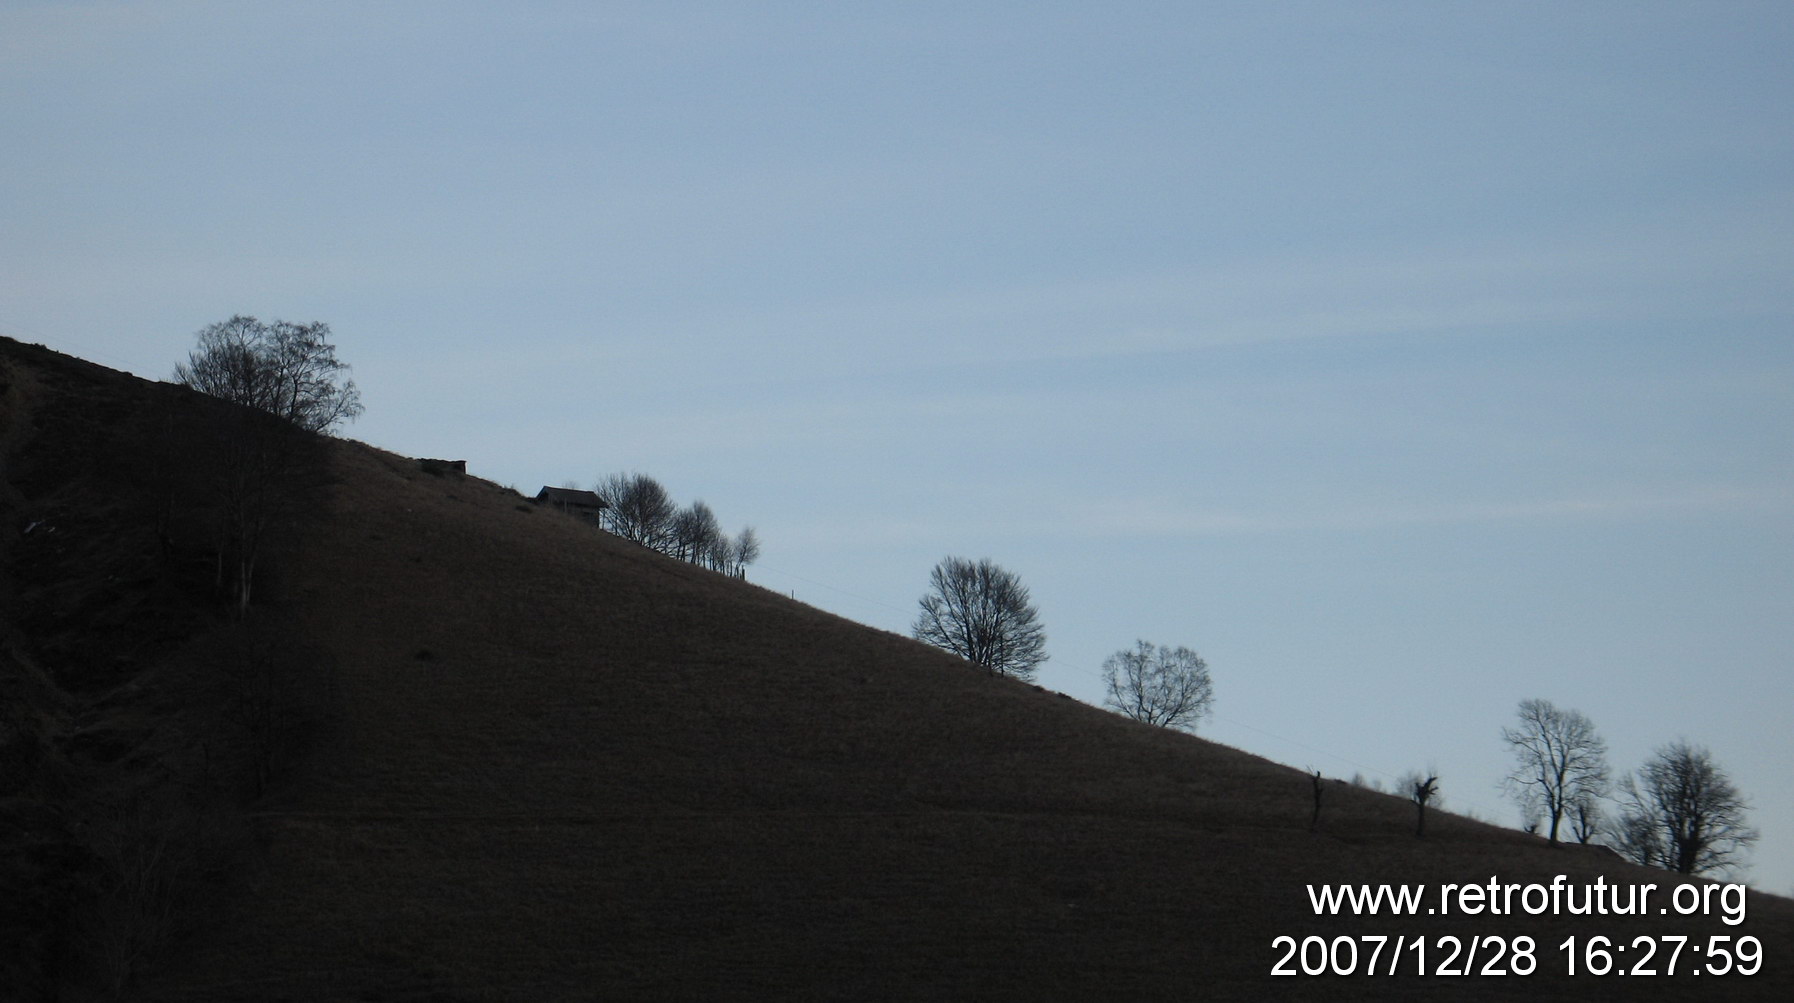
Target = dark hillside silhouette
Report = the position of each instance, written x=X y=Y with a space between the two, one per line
x=555 y=765
x=138 y=718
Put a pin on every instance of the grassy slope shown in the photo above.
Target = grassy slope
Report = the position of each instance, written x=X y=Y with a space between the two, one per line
x=569 y=764
x=566 y=768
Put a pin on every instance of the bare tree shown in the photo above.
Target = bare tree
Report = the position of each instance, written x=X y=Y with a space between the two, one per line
x=146 y=856
x=695 y=534
x=1586 y=819
x=746 y=549
x=1319 y=790
x=719 y=553
x=1682 y=812
x=982 y=613
x=1634 y=835
x=1561 y=763
x=287 y=370
x=285 y=377
x=1422 y=791
x=1169 y=687
x=638 y=509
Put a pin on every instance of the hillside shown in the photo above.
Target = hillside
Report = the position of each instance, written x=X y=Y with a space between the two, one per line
x=530 y=761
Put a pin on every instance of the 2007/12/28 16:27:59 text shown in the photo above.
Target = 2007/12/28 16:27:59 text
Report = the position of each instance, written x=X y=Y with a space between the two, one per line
x=1643 y=955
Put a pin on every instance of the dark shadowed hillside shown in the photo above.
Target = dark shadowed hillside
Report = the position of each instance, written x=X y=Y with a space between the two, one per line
x=520 y=759
x=136 y=722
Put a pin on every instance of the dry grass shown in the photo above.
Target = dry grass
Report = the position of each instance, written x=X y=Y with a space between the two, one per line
x=612 y=775
x=561 y=767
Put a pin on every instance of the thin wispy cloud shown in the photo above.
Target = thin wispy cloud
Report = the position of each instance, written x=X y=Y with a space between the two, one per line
x=1166 y=520
x=1159 y=517
x=1710 y=266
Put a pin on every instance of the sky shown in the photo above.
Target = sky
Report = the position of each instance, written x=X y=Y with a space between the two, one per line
x=1406 y=360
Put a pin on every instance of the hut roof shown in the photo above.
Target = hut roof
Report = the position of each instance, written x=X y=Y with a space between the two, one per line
x=571 y=497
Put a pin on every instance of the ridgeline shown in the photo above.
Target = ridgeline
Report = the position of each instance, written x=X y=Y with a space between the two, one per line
x=463 y=747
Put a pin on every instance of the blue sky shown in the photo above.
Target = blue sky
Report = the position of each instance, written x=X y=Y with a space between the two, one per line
x=1407 y=360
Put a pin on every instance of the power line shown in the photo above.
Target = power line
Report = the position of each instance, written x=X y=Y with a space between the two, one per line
x=832 y=588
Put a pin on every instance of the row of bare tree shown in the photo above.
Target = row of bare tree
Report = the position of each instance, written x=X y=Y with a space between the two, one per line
x=638 y=508
x=982 y=612
x=1679 y=811
x=292 y=387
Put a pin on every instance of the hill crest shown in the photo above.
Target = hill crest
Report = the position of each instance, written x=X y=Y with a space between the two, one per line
x=553 y=764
